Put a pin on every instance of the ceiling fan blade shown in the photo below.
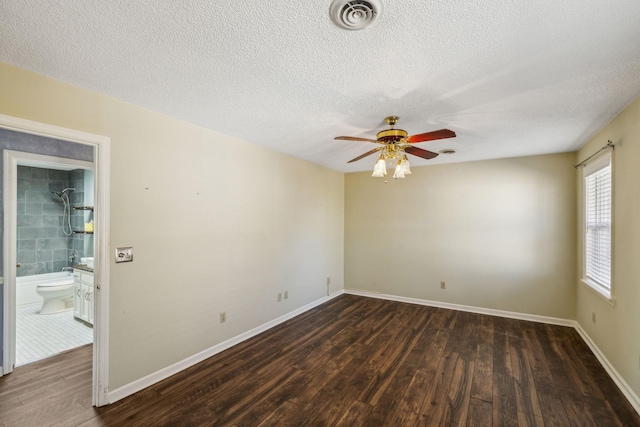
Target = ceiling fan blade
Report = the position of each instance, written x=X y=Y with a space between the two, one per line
x=353 y=138
x=368 y=153
x=420 y=152
x=432 y=136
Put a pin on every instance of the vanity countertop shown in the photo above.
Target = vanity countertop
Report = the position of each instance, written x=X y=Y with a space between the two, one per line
x=83 y=267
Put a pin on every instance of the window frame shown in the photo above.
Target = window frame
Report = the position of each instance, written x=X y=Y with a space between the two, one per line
x=592 y=167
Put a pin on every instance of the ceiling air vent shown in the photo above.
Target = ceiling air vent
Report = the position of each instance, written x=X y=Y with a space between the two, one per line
x=355 y=15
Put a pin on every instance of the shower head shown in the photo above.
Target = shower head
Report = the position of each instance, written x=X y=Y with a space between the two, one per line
x=66 y=190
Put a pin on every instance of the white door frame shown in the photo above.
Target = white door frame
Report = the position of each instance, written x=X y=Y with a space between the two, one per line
x=101 y=164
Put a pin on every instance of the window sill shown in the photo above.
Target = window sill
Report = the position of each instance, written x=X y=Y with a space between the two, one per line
x=602 y=293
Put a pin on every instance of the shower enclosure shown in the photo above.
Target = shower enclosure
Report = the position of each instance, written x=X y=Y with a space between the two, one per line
x=46 y=219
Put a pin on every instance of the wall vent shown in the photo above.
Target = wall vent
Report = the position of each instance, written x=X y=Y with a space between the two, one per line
x=355 y=15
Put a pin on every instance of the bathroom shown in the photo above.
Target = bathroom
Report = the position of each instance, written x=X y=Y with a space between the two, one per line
x=54 y=274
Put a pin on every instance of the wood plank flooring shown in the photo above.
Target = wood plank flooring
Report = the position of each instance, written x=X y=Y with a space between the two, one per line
x=353 y=361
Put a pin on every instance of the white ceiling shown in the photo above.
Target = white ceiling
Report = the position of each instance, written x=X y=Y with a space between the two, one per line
x=511 y=78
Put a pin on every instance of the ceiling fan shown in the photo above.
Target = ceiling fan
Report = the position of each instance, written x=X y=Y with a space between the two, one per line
x=395 y=143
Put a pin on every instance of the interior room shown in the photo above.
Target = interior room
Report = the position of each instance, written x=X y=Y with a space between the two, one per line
x=236 y=213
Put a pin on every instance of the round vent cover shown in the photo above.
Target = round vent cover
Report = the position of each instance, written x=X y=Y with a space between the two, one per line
x=355 y=15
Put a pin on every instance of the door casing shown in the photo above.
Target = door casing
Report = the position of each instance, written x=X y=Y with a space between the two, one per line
x=101 y=164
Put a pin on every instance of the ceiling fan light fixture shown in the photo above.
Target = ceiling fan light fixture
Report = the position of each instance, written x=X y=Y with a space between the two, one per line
x=399 y=172
x=380 y=169
x=355 y=15
x=405 y=165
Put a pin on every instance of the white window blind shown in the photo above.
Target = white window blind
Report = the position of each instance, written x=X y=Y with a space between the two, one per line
x=597 y=180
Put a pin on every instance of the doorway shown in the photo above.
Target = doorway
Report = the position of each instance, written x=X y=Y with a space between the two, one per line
x=12 y=159
x=54 y=251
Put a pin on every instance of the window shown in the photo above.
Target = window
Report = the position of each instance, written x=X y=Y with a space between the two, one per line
x=597 y=221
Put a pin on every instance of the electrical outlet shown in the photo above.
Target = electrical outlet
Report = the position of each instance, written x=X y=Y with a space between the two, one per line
x=279 y=296
x=593 y=317
x=443 y=285
x=286 y=294
x=223 y=317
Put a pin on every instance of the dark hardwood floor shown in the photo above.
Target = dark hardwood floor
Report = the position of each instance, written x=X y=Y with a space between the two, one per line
x=352 y=361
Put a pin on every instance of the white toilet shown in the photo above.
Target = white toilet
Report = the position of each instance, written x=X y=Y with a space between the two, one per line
x=57 y=295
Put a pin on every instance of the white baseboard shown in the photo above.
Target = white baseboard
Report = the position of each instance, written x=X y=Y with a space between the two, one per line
x=468 y=308
x=164 y=373
x=149 y=380
x=615 y=376
x=631 y=396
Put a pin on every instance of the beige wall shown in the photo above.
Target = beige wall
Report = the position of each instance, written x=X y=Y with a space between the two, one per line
x=217 y=224
x=500 y=233
x=617 y=328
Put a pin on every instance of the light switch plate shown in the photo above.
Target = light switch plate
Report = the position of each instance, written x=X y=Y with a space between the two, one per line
x=124 y=254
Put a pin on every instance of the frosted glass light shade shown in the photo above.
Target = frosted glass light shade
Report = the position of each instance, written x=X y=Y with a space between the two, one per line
x=405 y=165
x=399 y=172
x=380 y=169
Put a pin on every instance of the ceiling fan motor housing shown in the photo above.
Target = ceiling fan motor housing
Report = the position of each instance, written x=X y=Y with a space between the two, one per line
x=391 y=135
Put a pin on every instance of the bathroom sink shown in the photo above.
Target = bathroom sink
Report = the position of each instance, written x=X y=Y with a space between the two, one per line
x=88 y=261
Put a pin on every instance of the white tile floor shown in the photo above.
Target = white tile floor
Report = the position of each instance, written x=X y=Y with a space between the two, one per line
x=39 y=336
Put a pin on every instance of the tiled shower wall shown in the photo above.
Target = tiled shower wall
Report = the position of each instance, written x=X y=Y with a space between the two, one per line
x=42 y=245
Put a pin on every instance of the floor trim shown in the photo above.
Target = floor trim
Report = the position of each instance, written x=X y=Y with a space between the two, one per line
x=468 y=308
x=149 y=380
x=631 y=396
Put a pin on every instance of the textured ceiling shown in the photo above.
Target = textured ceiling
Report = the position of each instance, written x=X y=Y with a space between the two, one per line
x=511 y=78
